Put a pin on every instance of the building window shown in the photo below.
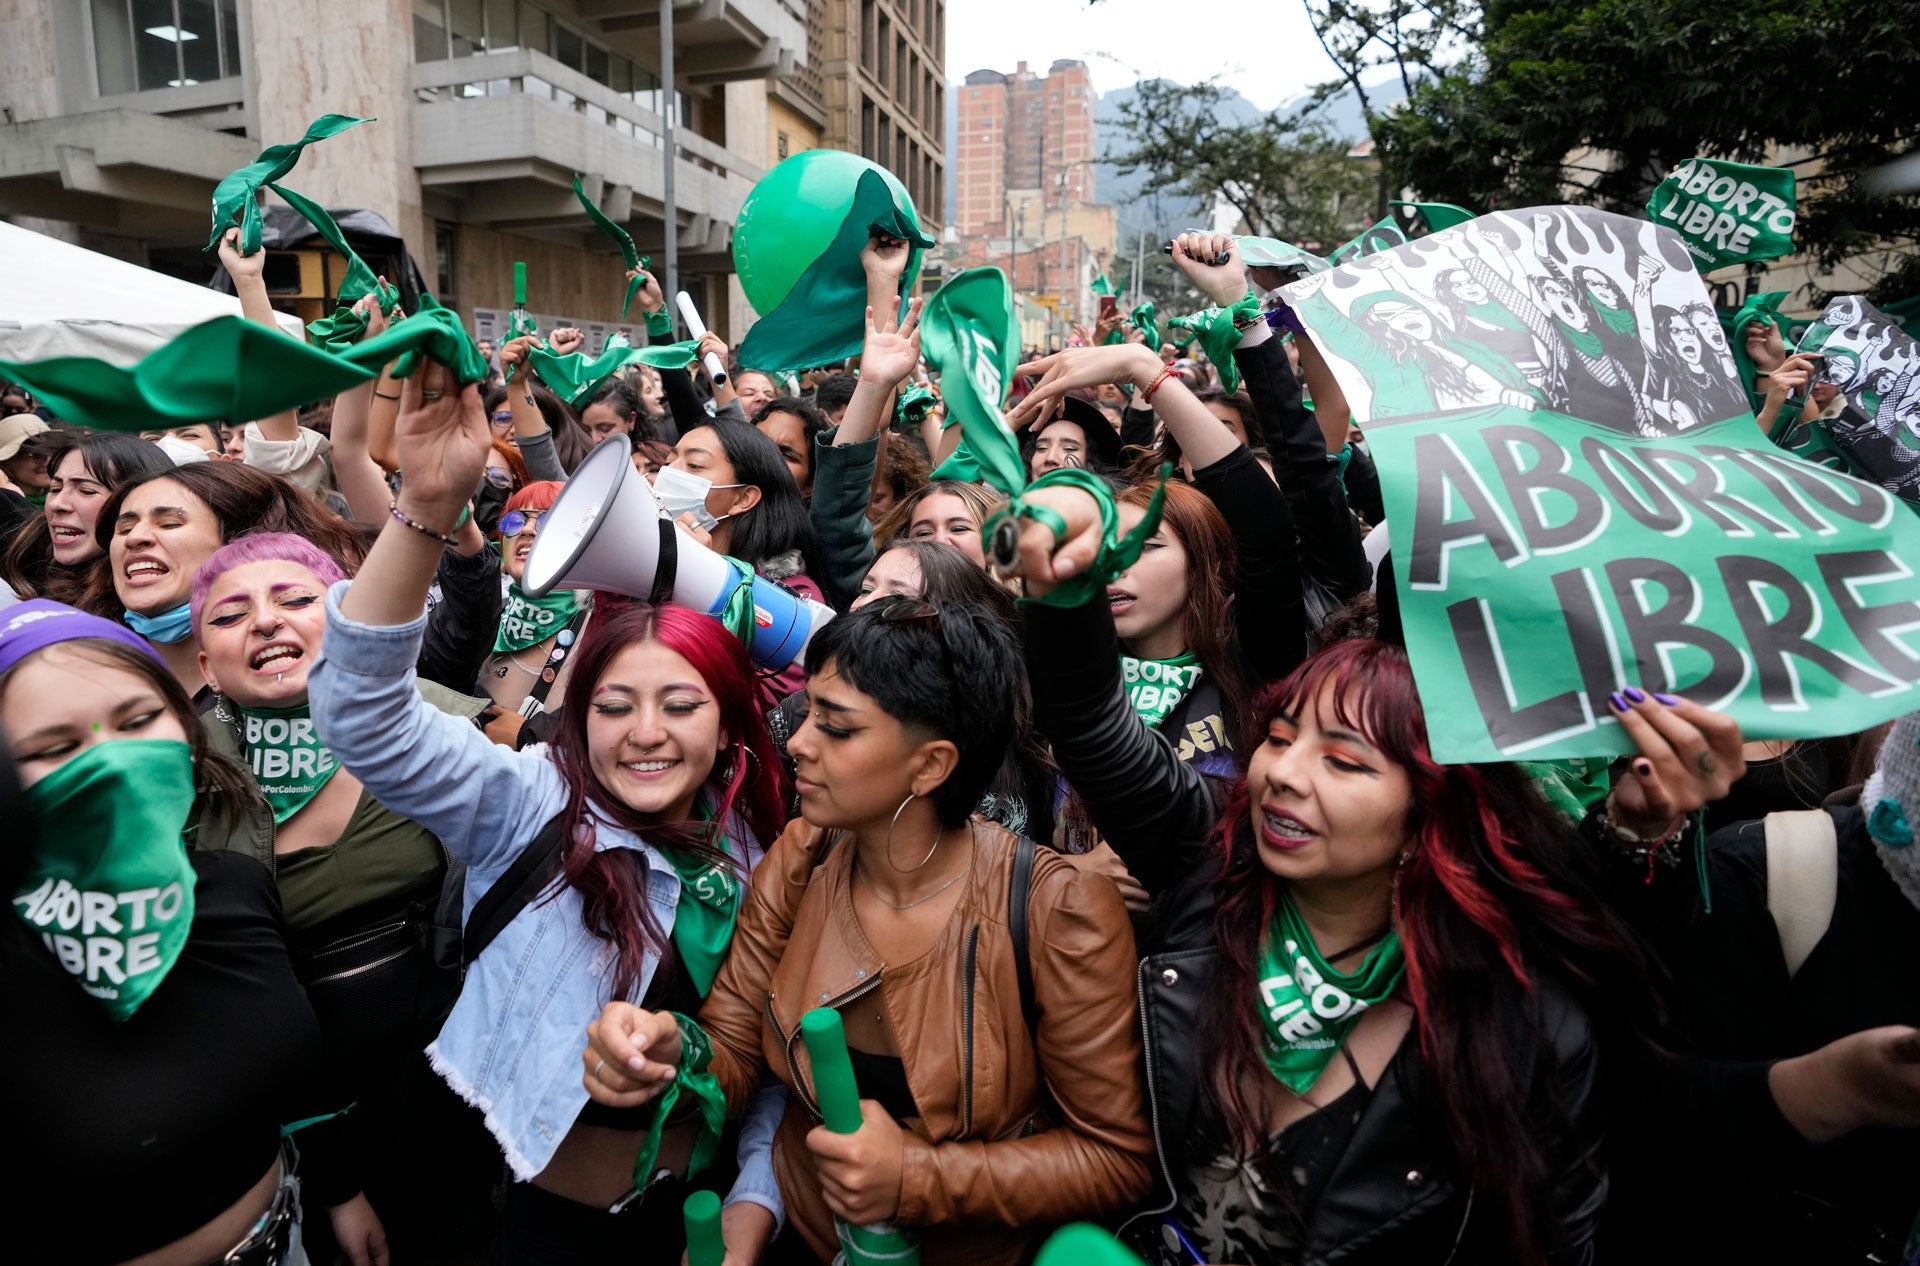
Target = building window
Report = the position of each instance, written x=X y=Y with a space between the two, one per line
x=142 y=45
x=443 y=261
x=780 y=144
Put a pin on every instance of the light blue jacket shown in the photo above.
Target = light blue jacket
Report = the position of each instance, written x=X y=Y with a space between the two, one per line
x=512 y=1045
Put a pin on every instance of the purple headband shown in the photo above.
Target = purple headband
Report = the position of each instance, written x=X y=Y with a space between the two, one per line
x=30 y=626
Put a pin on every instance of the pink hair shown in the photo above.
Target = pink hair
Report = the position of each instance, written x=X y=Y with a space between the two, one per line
x=266 y=547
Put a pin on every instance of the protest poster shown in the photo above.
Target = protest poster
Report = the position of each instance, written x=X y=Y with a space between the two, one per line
x=1580 y=501
x=1876 y=365
x=1727 y=213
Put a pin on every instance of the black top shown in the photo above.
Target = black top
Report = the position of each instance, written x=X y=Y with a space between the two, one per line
x=883 y=1079
x=671 y=989
x=132 y=1134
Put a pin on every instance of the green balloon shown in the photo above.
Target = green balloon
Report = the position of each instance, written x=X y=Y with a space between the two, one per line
x=793 y=215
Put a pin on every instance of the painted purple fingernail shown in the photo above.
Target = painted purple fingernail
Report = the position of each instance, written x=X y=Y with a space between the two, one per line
x=1634 y=695
x=1643 y=767
x=1619 y=704
x=1669 y=700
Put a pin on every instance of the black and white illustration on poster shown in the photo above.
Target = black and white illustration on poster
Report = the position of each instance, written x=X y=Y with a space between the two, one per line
x=1876 y=366
x=1560 y=308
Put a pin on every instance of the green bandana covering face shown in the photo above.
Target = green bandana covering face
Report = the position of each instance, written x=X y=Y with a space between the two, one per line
x=288 y=760
x=819 y=317
x=703 y=921
x=228 y=369
x=236 y=197
x=1727 y=213
x=528 y=621
x=1155 y=687
x=969 y=335
x=1309 y=1008
x=110 y=888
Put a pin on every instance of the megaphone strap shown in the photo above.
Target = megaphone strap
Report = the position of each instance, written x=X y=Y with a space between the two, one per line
x=669 y=565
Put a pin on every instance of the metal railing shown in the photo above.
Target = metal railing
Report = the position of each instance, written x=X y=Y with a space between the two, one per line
x=524 y=71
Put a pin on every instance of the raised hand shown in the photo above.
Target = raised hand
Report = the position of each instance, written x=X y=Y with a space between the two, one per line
x=1081 y=367
x=565 y=340
x=240 y=266
x=892 y=348
x=1194 y=253
x=651 y=300
x=886 y=257
x=1038 y=556
x=443 y=440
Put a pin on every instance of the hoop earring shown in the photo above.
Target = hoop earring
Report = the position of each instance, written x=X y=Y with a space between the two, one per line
x=896 y=822
x=733 y=761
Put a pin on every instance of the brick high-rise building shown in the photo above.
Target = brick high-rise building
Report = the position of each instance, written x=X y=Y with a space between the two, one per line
x=1022 y=133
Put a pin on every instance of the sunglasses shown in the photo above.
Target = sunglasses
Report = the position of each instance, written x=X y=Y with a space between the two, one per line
x=499 y=478
x=514 y=522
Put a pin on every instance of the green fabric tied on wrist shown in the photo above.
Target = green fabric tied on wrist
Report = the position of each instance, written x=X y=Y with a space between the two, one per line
x=343 y=329
x=738 y=614
x=1117 y=553
x=573 y=377
x=659 y=324
x=433 y=332
x=1218 y=335
x=236 y=197
x=692 y=1078
x=228 y=369
x=624 y=240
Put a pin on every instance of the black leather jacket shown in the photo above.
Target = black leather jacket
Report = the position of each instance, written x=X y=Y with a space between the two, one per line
x=1400 y=1194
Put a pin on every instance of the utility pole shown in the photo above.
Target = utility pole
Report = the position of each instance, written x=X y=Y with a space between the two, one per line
x=1060 y=259
x=671 y=212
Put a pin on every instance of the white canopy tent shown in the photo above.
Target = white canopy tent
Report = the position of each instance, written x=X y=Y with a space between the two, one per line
x=57 y=299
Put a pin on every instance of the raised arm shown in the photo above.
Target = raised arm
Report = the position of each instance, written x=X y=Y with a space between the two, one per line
x=250 y=285
x=362 y=482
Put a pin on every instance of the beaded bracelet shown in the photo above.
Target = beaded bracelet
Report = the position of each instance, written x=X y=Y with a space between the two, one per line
x=400 y=516
x=1146 y=397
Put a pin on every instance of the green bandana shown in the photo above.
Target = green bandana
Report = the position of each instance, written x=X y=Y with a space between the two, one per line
x=228 y=369
x=916 y=402
x=821 y=318
x=110 y=888
x=1383 y=236
x=1619 y=320
x=236 y=197
x=288 y=760
x=527 y=621
x=969 y=335
x=1309 y=1008
x=1155 y=687
x=1146 y=319
x=703 y=921
x=1219 y=335
x=1727 y=213
x=1759 y=309
x=692 y=1078
x=1584 y=341
x=38 y=500
x=340 y=331
x=433 y=332
x=1103 y=285
x=573 y=377
x=621 y=238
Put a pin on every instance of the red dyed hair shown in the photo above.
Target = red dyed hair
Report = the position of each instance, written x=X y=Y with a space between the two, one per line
x=539 y=495
x=1492 y=888
x=748 y=779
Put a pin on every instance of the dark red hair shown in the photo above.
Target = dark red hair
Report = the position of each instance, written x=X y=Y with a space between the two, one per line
x=539 y=495
x=1494 y=888
x=748 y=778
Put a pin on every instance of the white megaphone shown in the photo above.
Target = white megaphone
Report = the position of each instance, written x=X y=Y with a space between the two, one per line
x=606 y=531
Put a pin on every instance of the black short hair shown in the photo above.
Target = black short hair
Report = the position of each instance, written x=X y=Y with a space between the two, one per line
x=834 y=392
x=617 y=394
x=779 y=521
x=956 y=674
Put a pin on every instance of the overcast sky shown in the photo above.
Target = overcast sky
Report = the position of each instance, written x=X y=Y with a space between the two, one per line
x=1265 y=49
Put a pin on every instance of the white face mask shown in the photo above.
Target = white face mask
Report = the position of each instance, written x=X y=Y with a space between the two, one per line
x=681 y=493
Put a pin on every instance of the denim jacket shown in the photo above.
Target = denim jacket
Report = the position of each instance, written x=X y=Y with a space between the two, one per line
x=512 y=1045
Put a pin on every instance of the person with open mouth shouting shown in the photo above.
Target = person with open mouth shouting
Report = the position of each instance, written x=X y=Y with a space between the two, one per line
x=51 y=555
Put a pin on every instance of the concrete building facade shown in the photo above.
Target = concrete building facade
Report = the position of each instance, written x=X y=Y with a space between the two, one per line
x=121 y=115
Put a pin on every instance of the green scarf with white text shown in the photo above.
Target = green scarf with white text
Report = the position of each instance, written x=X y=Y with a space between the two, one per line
x=1155 y=687
x=286 y=757
x=528 y=621
x=1307 y=1008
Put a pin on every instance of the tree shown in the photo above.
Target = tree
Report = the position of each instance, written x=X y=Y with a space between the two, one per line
x=1284 y=174
x=1594 y=101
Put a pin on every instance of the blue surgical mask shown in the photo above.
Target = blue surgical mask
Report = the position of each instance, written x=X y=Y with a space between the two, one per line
x=169 y=626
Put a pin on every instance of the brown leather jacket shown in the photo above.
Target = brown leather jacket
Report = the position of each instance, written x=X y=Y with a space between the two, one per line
x=978 y=1185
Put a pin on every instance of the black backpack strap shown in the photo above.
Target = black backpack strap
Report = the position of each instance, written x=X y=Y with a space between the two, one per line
x=1019 y=897
x=513 y=892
